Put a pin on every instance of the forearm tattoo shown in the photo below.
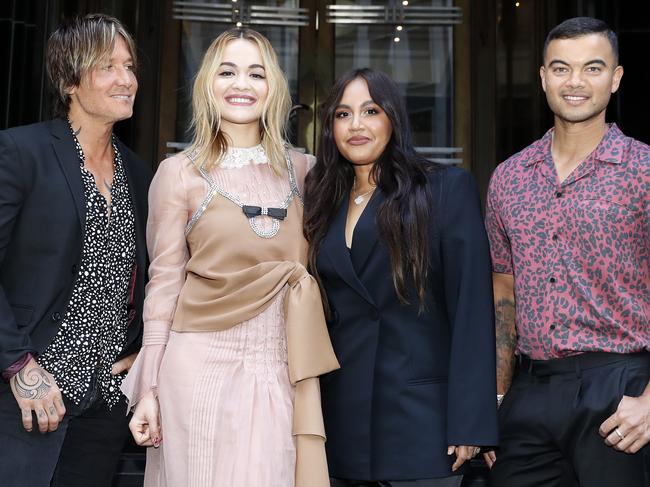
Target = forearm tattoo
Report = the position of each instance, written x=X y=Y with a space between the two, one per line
x=506 y=336
x=33 y=383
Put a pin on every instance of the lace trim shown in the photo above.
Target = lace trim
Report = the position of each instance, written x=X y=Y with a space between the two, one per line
x=239 y=157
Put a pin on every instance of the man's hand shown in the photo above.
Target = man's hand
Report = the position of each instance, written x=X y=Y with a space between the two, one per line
x=628 y=429
x=463 y=453
x=35 y=390
x=145 y=423
x=490 y=457
x=123 y=365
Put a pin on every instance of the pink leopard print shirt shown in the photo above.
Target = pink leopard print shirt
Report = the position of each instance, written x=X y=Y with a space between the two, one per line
x=579 y=250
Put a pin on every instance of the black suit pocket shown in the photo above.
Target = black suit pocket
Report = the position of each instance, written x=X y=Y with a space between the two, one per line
x=22 y=314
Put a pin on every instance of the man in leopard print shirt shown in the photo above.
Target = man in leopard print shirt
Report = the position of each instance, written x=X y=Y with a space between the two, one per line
x=569 y=225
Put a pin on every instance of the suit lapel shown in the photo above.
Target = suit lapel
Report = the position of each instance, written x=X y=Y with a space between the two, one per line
x=137 y=200
x=68 y=160
x=366 y=233
x=335 y=250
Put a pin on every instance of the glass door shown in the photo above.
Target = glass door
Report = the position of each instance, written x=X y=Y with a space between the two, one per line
x=316 y=41
x=412 y=42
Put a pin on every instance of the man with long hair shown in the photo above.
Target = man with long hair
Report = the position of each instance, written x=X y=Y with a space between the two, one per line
x=73 y=206
x=569 y=225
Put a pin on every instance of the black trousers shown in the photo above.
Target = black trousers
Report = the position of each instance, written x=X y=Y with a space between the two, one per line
x=441 y=482
x=549 y=420
x=82 y=452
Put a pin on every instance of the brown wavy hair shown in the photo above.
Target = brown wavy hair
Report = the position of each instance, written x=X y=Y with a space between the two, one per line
x=76 y=47
x=400 y=174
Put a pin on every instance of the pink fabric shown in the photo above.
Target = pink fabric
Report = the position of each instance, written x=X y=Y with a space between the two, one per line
x=579 y=249
x=225 y=397
x=226 y=408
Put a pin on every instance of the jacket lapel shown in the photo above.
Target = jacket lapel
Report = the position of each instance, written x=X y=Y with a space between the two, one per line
x=68 y=159
x=366 y=233
x=138 y=200
x=335 y=250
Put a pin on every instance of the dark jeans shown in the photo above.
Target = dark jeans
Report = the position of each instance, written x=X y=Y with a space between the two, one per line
x=549 y=422
x=441 y=482
x=82 y=452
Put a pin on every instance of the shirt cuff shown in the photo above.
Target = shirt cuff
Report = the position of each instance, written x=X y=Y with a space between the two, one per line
x=17 y=366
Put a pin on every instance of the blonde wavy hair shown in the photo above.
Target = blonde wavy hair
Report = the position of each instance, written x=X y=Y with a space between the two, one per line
x=209 y=142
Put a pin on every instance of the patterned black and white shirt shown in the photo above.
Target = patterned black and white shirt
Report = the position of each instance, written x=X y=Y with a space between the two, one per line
x=93 y=330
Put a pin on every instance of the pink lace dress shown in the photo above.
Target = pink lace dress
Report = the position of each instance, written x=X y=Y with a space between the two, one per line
x=225 y=398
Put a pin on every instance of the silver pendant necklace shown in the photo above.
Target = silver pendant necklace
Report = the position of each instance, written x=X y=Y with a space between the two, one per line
x=362 y=197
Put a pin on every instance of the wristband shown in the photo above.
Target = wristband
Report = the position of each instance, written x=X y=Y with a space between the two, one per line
x=17 y=366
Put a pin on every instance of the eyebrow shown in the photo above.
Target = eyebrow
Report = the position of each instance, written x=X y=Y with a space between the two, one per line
x=367 y=102
x=564 y=63
x=252 y=66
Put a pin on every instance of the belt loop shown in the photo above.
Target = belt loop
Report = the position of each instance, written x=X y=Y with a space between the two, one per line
x=577 y=366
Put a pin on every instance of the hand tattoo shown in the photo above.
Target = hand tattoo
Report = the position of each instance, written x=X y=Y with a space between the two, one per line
x=506 y=337
x=33 y=383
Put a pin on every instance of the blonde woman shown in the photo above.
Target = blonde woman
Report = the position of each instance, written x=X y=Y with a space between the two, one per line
x=225 y=388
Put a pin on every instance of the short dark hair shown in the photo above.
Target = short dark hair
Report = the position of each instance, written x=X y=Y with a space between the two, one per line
x=76 y=47
x=581 y=26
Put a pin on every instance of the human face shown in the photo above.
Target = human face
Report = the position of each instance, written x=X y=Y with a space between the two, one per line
x=579 y=75
x=361 y=128
x=240 y=85
x=107 y=92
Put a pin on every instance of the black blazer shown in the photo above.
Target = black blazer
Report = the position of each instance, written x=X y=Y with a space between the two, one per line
x=42 y=218
x=409 y=384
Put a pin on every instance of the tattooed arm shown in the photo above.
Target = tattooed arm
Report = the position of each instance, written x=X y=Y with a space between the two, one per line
x=506 y=333
x=35 y=390
x=504 y=308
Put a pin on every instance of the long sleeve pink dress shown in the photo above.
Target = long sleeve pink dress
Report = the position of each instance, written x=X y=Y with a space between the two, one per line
x=225 y=397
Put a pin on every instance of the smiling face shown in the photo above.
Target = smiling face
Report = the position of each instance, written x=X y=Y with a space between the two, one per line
x=239 y=86
x=107 y=92
x=361 y=128
x=579 y=75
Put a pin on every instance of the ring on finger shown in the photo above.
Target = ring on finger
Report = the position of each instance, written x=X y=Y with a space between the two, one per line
x=618 y=433
x=477 y=450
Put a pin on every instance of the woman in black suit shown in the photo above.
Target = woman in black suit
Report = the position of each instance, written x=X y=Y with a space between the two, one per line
x=400 y=251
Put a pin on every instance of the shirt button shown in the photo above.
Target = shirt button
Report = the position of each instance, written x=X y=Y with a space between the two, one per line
x=56 y=316
x=558 y=194
x=73 y=269
x=552 y=280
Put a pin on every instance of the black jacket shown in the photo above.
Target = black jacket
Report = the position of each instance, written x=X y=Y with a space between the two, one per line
x=42 y=218
x=409 y=384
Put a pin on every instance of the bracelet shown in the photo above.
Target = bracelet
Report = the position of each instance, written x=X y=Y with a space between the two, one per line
x=499 y=399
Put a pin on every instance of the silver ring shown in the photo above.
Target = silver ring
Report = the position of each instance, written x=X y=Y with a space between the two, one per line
x=477 y=450
x=618 y=432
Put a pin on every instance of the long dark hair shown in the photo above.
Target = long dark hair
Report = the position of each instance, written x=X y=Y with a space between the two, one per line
x=400 y=173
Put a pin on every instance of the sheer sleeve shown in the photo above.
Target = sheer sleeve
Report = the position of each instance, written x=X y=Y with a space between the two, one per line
x=169 y=211
x=302 y=164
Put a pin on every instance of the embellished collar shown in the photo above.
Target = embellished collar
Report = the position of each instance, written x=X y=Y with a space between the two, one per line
x=243 y=156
